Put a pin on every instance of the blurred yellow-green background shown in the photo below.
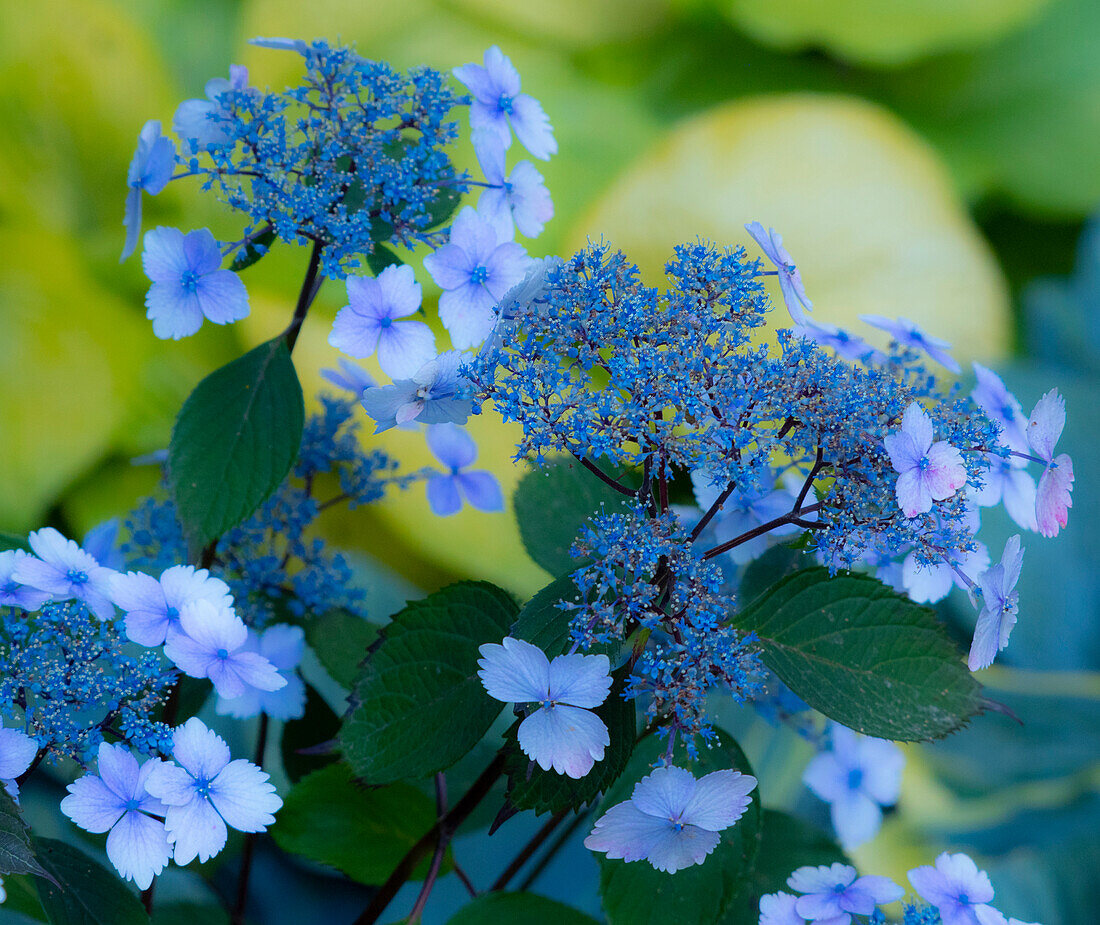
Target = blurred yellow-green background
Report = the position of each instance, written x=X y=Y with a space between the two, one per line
x=929 y=159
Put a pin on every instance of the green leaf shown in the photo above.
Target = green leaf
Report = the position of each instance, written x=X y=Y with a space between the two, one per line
x=863 y=655
x=551 y=504
x=419 y=705
x=253 y=251
x=381 y=257
x=637 y=894
x=235 y=440
x=22 y=904
x=88 y=894
x=443 y=206
x=528 y=908
x=340 y=640
x=318 y=725
x=332 y=818
x=530 y=787
x=786 y=844
x=16 y=851
x=542 y=623
x=187 y=913
x=13 y=541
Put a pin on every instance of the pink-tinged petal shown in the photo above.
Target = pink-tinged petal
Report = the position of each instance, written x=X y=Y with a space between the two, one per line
x=198 y=749
x=821 y=879
x=686 y=848
x=1053 y=499
x=904 y=453
x=405 y=347
x=946 y=471
x=580 y=680
x=223 y=297
x=665 y=792
x=17 y=751
x=163 y=256
x=1046 y=424
x=92 y=805
x=399 y=290
x=916 y=422
x=443 y=495
x=532 y=127
x=778 y=909
x=913 y=495
x=245 y=797
x=568 y=739
x=926 y=584
x=625 y=832
x=451 y=445
x=195 y=831
x=450 y=266
x=354 y=333
x=138 y=848
x=856 y=819
x=515 y=671
x=719 y=800
x=467 y=314
x=482 y=490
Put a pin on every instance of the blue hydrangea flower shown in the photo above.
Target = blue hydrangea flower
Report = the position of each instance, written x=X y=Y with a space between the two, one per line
x=117 y=802
x=672 y=820
x=209 y=122
x=517 y=200
x=930 y=583
x=475 y=269
x=211 y=645
x=153 y=606
x=987 y=915
x=1052 y=499
x=908 y=334
x=999 y=601
x=927 y=471
x=101 y=543
x=779 y=909
x=17 y=751
x=993 y=397
x=453 y=447
x=189 y=283
x=205 y=791
x=844 y=344
x=12 y=592
x=955 y=887
x=562 y=732
x=150 y=170
x=371 y=322
x=834 y=892
x=282 y=645
x=437 y=394
x=857 y=776
x=790 y=279
x=64 y=571
x=351 y=377
x=500 y=107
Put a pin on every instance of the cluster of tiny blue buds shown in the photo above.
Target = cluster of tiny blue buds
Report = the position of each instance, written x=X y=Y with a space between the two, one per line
x=69 y=678
x=351 y=158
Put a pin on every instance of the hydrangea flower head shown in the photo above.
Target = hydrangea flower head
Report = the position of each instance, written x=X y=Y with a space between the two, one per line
x=1052 y=500
x=211 y=644
x=673 y=820
x=371 y=321
x=282 y=645
x=927 y=471
x=500 y=107
x=456 y=450
x=955 y=887
x=205 y=791
x=150 y=170
x=909 y=335
x=518 y=200
x=474 y=269
x=153 y=606
x=12 y=592
x=189 y=283
x=64 y=570
x=857 y=776
x=999 y=601
x=117 y=802
x=437 y=394
x=833 y=893
x=562 y=732
x=209 y=122
x=790 y=279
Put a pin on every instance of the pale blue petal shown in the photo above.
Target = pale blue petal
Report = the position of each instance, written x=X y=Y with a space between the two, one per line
x=580 y=680
x=202 y=752
x=514 y=671
x=222 y=297
x=567 y=739
x=244 y=796
x=443 y=495
x=719 y=800
x=195 y=830
x=665 y=793
x=138 y=848
x=532 y=126
x=451 y=445
x=626 y=832
x=404 y=347
x=686 y=848
x=92 y=805
x=482 y=490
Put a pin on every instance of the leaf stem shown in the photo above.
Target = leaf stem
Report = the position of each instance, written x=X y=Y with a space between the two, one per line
x=792 y=517
x=604 y=477
x=437 y=856
x=529 y=849
x=311 y=285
